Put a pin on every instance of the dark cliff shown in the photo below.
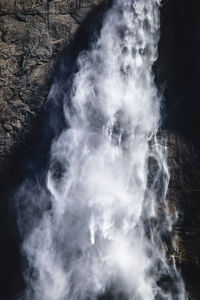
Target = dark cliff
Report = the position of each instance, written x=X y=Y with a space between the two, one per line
x=33 y=36
x=177 y=72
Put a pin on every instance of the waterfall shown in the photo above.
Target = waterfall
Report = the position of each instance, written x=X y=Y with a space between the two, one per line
x=100 y=224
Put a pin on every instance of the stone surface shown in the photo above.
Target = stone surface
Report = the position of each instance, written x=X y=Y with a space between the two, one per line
x=183 y=193
x=32 y=35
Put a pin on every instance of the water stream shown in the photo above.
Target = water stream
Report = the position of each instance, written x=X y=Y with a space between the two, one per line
x=104 y=228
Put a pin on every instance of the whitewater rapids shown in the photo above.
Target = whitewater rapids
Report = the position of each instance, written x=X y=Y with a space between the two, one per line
x=103 y=231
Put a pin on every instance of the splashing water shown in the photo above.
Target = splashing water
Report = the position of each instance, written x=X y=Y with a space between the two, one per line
x=105 y=229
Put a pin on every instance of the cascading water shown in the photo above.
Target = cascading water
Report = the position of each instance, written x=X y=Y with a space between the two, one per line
x=103 y=230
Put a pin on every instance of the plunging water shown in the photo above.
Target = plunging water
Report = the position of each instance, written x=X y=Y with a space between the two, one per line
x=105 y=229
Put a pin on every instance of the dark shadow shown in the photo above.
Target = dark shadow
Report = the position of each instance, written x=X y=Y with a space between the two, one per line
x=178 y=67
x=177 y=74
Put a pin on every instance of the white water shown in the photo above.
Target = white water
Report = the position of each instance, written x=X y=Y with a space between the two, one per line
x=108 y=176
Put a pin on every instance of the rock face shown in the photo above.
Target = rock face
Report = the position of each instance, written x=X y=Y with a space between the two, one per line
x=183 y=193
x=177 y=73
x=32 y=35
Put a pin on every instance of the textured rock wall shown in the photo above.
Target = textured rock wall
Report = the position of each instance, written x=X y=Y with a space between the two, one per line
x=183 y=193
x=32 y=35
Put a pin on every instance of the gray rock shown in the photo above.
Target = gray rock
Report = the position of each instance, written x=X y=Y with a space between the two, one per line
x=32 y=34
